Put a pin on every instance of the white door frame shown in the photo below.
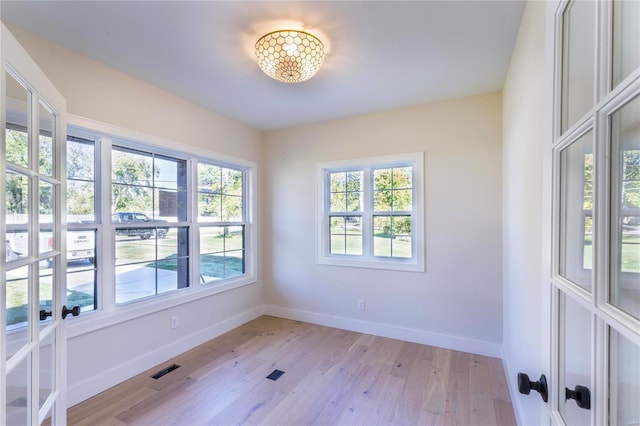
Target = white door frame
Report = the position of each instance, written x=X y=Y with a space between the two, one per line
x=604 y=315
x=15 y=60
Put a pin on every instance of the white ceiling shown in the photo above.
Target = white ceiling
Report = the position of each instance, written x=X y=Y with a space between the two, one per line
x=383 y=54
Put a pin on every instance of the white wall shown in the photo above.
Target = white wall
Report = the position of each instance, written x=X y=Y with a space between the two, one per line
x=457 y=302
x=102 y=358
x=525 y=345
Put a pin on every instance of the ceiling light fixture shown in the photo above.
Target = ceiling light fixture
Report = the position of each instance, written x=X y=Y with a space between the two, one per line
x=289 y=56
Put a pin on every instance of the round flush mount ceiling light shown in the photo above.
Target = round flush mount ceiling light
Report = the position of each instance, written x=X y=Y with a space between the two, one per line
x=289 y=56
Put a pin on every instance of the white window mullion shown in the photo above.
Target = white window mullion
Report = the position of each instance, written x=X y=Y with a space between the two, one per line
x=324 y=207
x=107 y=291
x=194 y=229
x=367 y=214
x=34 y=250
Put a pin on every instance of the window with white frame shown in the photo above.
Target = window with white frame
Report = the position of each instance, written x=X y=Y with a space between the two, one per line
x=221 y=220
x=149 y=216
x=371 y=212
x=172 y=219
x=82 y=223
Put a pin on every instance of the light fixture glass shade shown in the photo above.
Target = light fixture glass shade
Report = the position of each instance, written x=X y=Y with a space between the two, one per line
x=289 y=56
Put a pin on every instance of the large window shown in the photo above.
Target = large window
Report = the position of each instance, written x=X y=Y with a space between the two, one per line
x=371 y=213
x=147 y=221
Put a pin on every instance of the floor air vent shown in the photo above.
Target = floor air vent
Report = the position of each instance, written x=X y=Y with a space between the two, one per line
x=165 y=371
x=275 y=375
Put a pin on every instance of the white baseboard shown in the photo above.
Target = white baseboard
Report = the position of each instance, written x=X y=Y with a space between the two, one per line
x=103 y=381
x=463 y=344
x=91 y=386
x=513 y=390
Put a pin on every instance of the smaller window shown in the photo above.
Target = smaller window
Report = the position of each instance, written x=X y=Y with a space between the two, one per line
x=371 y=213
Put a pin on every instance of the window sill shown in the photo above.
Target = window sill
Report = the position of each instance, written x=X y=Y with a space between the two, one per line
x=408 y=265
x=92 y=321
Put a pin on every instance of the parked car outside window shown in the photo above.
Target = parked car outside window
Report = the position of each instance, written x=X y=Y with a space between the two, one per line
x=136 y=217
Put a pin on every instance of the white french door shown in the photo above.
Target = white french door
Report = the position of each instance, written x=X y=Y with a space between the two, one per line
x=595 y=280
x=32 y=261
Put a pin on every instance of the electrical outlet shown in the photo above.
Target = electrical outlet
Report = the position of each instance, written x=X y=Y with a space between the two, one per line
x=174 y=322
x=361 y=304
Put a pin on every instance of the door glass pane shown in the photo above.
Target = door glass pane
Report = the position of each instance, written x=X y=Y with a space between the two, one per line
x=45 y=158
x=624 y=376
x=626 y=33
x=575 y=359
x=47 y=367
x=46 y=293
x=625 y=208
x=16 y=131
x=576 y=209
x=578 y=46
x=45 y=217
x=17 y=215
x=17 y=309
x=18 y=394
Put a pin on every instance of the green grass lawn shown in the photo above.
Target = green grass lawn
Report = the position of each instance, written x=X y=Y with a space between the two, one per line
x=222 y=256
x=211 y=265
x=383 y=245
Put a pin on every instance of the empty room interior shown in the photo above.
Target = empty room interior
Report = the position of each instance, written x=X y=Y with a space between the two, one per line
x=310 y=212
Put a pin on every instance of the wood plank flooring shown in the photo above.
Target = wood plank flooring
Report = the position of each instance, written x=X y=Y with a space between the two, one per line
x=332 y=377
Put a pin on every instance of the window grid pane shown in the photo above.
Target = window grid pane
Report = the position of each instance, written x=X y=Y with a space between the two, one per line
x=82 y=268
x=220 y=194
x=392 y=189
x=392 y=236
x=149 y=197
x=220 y=202
x=148 y=266
x=80 y=180
x=222 y=252
x=346 y=235
x=346 y=191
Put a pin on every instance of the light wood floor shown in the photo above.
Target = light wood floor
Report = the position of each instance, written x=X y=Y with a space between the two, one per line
x=332 y=377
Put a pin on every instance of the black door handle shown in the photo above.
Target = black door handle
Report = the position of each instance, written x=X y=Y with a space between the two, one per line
x=581 y=394
x=44 y=314
x=525 y=385
x=75 y=311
